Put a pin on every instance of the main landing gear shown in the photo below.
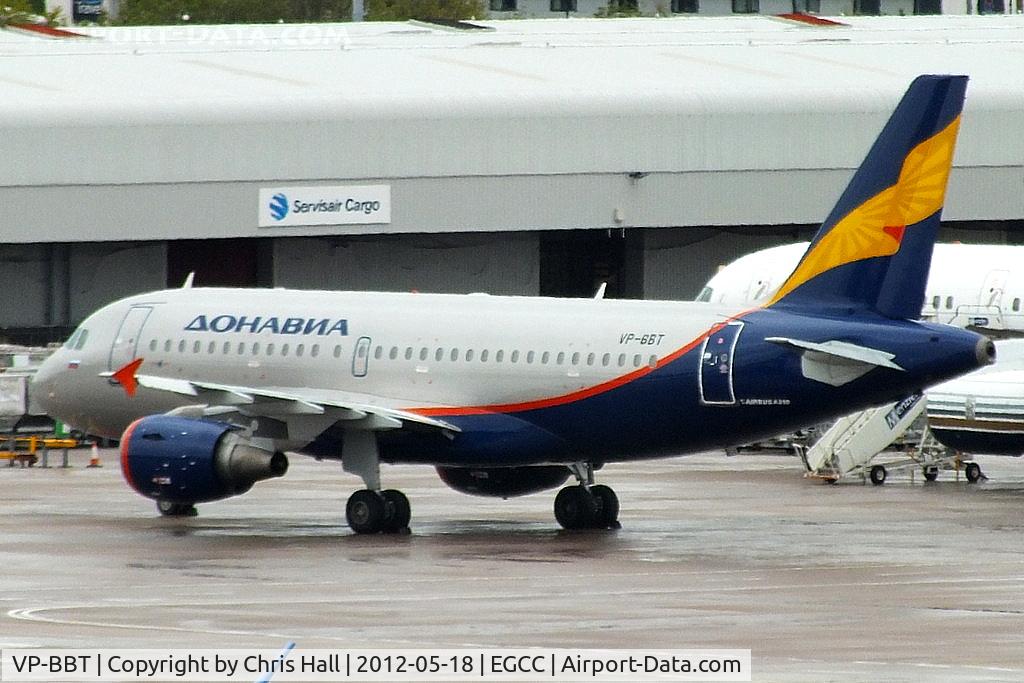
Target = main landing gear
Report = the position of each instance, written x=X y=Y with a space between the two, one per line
x=371 y=510
x=587 y=505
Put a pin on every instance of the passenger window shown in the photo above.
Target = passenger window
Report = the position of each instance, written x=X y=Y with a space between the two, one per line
x=935 y=302
x=227 y=348
x=438 y=353
x=337 y=351
x=314 y=351
x=1016 y=304
x=606 y=359
x=576 y=358
x=637 y=360
x=949 y=302
x=284 y=350
x=469 y=355
x=378 y=352
x=455 y=355
x=529 y=357
x=483 y=356
x=515 y=356
x=167 y=346
x=196 y=345
x=211 y=348
x=394 y=353
x=255 y=348
x=408 y=353
x=423 y=353
x=590 y=359
x=241 y=348
x=270 y=349
x=545 y=357
x=561 y=358
x=181 y=346
x=622 y=360
x=300 y=349
x=498 y=356
x=653 y=362
x=152 y=345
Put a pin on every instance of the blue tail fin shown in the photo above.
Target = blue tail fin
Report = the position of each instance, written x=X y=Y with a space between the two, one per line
x=874 y=250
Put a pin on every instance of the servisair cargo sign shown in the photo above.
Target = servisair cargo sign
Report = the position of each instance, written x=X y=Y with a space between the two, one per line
x=282 y=207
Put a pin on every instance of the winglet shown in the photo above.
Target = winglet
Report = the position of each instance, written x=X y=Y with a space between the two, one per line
x=187 y=284
x=126 y=377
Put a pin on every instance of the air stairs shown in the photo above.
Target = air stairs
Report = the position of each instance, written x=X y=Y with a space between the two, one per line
x=849 y=448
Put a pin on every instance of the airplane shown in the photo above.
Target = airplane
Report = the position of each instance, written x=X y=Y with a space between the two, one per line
x=980 y=286
x=504 y=395
x=983 y=412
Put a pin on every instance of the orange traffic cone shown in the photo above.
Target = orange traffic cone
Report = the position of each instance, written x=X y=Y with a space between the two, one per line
x=94 y=457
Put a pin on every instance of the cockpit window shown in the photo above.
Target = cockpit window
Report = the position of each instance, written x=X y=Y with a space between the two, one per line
x=705 y=294
x=77 y=340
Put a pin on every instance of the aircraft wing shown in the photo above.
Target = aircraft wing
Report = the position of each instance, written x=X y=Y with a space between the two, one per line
x=299 y=416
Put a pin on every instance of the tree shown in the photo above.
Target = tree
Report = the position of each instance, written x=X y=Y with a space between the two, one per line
x=162 y=12
x=401 y=10
x=16 y=12
x=619 y=8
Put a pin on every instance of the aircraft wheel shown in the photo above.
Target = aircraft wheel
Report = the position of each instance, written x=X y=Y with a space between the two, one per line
x=878 y=475
x=171 y=509
x=931 y=473
x=607 y=507
x=972 y=471
x=575 y=508
x=365 y=512
x=397 y=511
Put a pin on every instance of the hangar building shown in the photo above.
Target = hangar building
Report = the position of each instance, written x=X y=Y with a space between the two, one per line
x=522 y=157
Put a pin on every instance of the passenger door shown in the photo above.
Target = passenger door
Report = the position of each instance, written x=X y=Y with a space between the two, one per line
x=126 y=343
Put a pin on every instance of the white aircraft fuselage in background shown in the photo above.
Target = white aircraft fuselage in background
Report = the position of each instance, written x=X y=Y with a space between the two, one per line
x=969 y=285
x=509 y=395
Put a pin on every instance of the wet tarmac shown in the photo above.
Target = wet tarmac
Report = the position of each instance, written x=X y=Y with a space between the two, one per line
x=905 y=582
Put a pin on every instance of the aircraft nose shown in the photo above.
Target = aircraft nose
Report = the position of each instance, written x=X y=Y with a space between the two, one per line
x=44 y=382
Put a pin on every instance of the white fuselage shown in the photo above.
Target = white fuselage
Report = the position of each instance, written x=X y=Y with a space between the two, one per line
x=968 y=284
x=407 y=351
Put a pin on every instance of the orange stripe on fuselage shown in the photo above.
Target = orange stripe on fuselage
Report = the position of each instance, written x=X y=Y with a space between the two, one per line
x=576 y=395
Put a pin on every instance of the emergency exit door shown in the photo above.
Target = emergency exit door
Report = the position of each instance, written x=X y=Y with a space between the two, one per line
x=361 y=357
x=716 y=365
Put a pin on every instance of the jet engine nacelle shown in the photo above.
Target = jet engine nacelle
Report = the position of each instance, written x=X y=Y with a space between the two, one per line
x=183 y=460
x=503 y=482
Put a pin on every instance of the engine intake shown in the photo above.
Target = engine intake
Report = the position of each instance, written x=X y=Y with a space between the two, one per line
x=184 y=460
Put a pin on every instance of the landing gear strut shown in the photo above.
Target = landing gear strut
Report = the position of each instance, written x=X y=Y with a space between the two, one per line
x=586 y=505
x=371 y=510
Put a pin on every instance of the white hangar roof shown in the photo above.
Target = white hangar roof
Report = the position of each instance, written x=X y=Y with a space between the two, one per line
x=147 y=107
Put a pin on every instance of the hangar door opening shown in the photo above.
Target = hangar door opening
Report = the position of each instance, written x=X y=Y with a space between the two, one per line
x=221 y=263
x=574 y=263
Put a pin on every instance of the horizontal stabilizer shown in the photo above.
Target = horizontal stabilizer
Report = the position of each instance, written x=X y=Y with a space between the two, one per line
x=846 y=350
